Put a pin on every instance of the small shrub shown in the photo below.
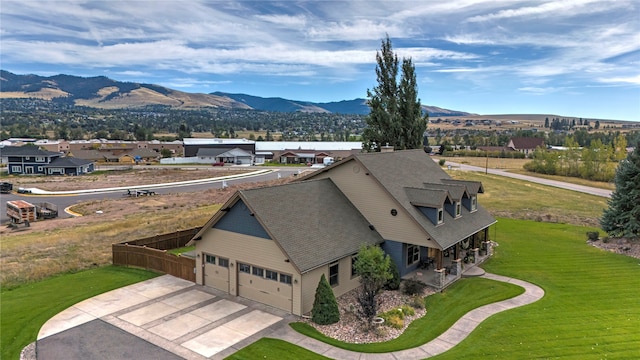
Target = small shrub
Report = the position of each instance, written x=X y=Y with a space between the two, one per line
x=605 y=239
x=417 y=302
x=442 y=162
x=394 y=282
x=593 y=235
x=413 y=287
x=325 y=307
x=393 y=318
x=408 y=310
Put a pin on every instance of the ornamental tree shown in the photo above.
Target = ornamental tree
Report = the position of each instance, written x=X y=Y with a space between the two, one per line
x=325 y=307
x=622 y=217
x=372 y=265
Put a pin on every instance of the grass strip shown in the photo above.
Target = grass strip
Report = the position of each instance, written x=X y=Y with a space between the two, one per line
x=27 y=307
x=267 y=348
x=443 y=310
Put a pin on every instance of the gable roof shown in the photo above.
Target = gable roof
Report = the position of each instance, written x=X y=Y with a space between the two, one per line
x=398 y=170
x=69 y=162
x=87 y=154
x=27 y=150
x=210 y=152
x=427 y=197
x=520 y=143
x=312 y=222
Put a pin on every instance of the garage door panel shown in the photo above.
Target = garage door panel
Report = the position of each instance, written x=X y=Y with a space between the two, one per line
x=265 y=291
x=216 y=276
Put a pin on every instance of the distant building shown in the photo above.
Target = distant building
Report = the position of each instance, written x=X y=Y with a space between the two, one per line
x=526 y=145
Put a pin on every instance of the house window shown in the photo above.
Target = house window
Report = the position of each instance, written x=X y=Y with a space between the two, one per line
x=474 y=203
x=354 y=258
x=285 y=279
x=223 y=262
x=244 y=268
x=271 y=275
x=39 y=159
x=440 y=216
x=258 y=271
x=413 y=254
x=210 y=259
x=333 y=274
x=40 y=169
x=457 y=208
x=16 y=169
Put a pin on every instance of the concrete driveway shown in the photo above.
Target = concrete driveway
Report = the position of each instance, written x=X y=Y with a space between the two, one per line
x=161 y=318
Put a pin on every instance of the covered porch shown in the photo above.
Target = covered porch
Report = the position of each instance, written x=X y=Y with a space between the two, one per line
x=440 y=268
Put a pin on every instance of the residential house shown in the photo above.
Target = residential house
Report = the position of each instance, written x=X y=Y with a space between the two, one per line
x=31 y=160
x=273 y=244
x=236 y=156
x=69 y=166
x=27 y=159
x=270 y=243
x=526 y=145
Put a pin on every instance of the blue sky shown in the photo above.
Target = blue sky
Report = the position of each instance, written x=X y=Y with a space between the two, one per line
x=570 y=58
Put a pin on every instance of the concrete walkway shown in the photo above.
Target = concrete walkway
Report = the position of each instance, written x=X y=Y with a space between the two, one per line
x=170 y=318
x=450 y=338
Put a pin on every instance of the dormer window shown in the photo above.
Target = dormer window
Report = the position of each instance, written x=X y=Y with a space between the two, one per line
x=440 y=216
x=474 y=203
x=458 y=209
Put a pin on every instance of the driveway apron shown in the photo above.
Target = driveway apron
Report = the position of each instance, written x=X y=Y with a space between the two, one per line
x=162 y=318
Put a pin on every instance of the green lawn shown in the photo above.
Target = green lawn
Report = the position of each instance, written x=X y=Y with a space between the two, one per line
x=24 y=309
x=591 y=307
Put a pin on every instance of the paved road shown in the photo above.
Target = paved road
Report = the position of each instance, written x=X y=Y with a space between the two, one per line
x=65 y=200
x=555 y=183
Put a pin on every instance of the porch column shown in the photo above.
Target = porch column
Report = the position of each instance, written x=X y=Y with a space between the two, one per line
x=440 y=275
x=439 y=259
x=457 y=267
x=476 y=252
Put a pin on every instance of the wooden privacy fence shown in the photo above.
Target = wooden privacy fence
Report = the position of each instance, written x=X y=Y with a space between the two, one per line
x=151 y=254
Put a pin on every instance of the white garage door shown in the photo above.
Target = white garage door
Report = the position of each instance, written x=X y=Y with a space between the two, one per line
x=265 y=286
x=216 y=272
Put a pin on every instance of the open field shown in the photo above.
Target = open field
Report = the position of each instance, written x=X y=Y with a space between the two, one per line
x=26 y=308
x=512 y=198
x=138 y=175
x=61 y=245
x=516 y=166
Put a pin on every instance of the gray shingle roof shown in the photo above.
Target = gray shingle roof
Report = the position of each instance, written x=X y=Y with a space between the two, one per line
x=312 y=221
x=26 y=150
x=427 y=197
x=211 y=152
x=412 y=169
x=68 y=161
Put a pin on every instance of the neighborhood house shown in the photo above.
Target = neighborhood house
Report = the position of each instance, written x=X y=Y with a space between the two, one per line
x=273 y=244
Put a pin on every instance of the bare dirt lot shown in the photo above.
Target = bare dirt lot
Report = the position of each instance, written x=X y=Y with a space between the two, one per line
x=60 y=245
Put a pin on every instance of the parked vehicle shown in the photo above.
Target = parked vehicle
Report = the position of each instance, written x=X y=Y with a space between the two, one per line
x=328 y=161
x=6 y=187
x=219 y=163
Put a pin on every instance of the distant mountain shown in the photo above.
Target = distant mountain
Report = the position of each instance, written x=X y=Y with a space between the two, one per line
x=102 y=92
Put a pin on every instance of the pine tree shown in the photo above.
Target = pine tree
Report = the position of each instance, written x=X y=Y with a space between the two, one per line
x=622 y=217
x=325 y=307
x=395 y=116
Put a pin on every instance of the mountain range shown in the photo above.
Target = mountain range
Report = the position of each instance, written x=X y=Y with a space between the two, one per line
x=102 y=92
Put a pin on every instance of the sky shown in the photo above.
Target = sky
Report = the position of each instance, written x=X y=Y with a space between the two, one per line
x=578 y=58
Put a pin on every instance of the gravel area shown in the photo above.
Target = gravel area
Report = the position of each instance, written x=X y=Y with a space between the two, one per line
x=619 y=246
x=353 y=329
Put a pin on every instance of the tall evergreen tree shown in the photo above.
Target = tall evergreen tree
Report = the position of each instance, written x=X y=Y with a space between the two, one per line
x=395 y=116
x=622 y=217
